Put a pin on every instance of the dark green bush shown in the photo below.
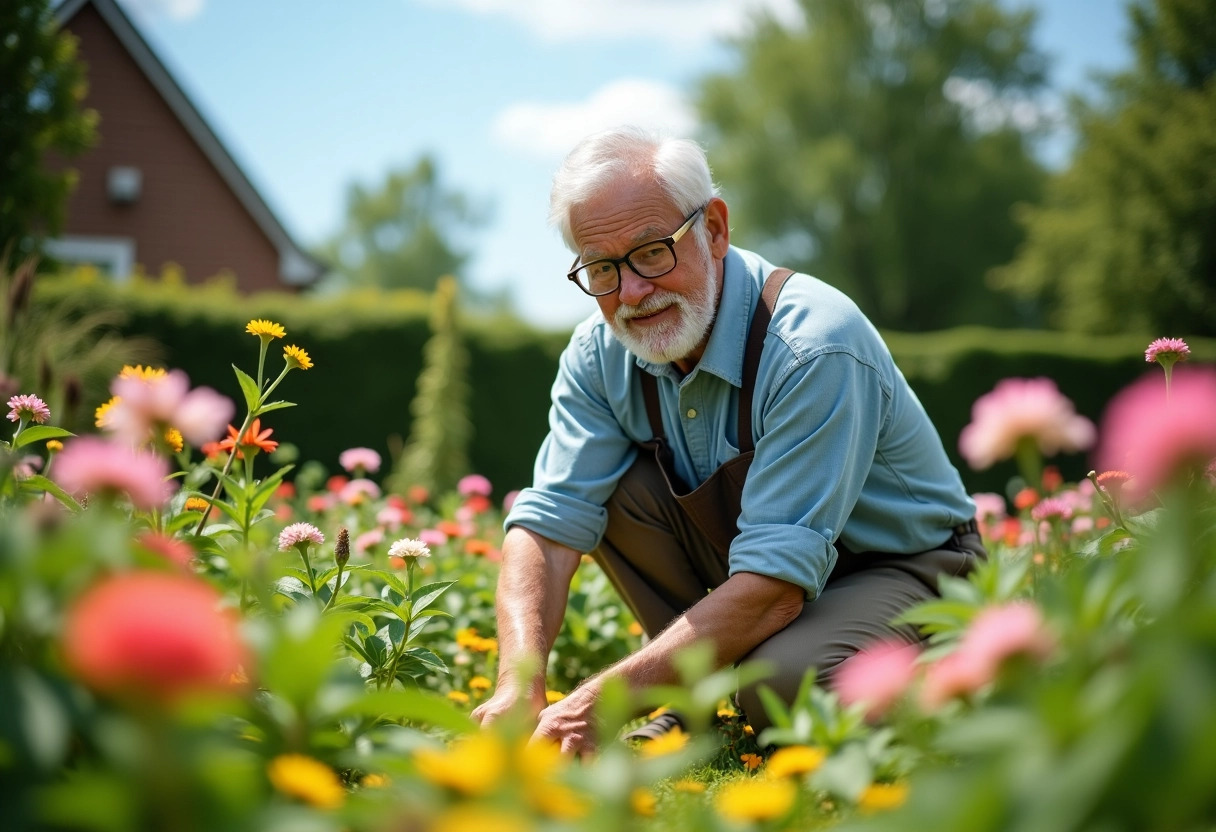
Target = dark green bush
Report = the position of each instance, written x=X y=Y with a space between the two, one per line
x=368 y=352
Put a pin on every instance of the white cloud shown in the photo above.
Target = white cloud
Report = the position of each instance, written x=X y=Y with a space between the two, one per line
x=173 y=9
x=679 y=21
x=551 y=130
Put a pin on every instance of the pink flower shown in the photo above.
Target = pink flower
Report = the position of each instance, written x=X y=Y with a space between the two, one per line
x=474 y=484
x=1022 y=408
x=509 y=500
x=393 y=517
x=298 y=533
x=989 y=508
x=368 y=539
x=355 y=460
x=1167 y=351
x=319 y=503
x=1153 y=438
x=432 y=537
x=146 y=406
x=877 y=676
x=1051 y=508
x=356 y=491
x=957 y=674
x=152 y=635
x=28 y=407
x=92 y=465
x=1082 y=525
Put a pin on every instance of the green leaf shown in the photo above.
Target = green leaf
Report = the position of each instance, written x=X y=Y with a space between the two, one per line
x=413 y=705
x=427 y=657
x=292 y=588
x=777 y=712
x=40 y=483
x=249 y=387
x=38 y=432
x=424 y=596
x=266 y=408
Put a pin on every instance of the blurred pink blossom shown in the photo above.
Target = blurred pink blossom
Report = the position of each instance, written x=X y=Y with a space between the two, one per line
x=474 y=484
x=1052 y=508
x=1082 y=524
x=877 y=676
x=1022 y=408
x=95 y=466
x=509 y=500
x=432 y=537
x=356 y=491
x=393 y=517
x=1152 y=437
x=360 y=459
x=989 y=507
x=147 y=406
x=956 y=674
x=368 y=539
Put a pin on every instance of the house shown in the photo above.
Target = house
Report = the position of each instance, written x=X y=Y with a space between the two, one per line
x=159 y=187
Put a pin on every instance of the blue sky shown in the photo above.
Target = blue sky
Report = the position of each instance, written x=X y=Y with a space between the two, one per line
x=309 y=95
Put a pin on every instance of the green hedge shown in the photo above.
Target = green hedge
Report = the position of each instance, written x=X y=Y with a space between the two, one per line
x=368 y=348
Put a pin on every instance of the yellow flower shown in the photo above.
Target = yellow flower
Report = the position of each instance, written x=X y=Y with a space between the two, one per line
x=558 y=801
x=643 y=802
x=265 y=329
x=749 y=730
x=795 y=760
x=471 y=818
x=54 y=445
x=374 y=781
x=307 y=779
x=552 y=696
x=466 y=636
x=746 y=800
x=751 y=761
x=480 y=683
x=175 y=440
x=459 y=697
x=635 y=629
x=472 y=765
x=101 y=414
x=880 y=797
x=668 y=743
x=485 y=645
x=140 y=371
x=689 y=786
x=196 y=504
x=657 y=712
x=538 y=761
x=296 y=357
x=726 y=711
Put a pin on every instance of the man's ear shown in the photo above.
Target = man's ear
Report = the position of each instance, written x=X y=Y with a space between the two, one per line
x=716 y=220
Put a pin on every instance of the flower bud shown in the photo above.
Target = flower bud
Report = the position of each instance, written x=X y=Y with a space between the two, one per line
x=342 y=548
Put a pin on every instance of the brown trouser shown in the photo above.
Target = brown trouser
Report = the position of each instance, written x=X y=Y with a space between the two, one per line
x=661 y=564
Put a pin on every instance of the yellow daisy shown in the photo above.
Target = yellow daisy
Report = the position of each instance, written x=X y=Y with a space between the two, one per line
x=752 y=799
x=473 y=765
x=480 y=684
x=795 y=760
x=140 y=371
x=296 y=357
x=668 y=743
x=101 y=414
x=265 y=329
x=552 y=696
x=879 y=797
x=459 y=697
x=643 y=802
x=307 y=779
x=175 y=440
x=54 y=445
x=196 y=504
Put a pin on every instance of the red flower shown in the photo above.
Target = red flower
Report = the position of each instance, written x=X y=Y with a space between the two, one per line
x=255 y=439
x=1026 y=498
x=336 y=483
x=417 y=495
x=478 y=503
x=1052 y=479
x=285 y=490
x=152 y=635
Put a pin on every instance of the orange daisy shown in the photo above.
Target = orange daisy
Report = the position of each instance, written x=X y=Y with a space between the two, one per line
x=255 y=439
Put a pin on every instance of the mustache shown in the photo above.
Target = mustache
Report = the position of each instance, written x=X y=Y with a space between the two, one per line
x=649 y=305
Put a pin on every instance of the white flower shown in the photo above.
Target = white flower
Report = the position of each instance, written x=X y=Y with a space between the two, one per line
x=408 y=547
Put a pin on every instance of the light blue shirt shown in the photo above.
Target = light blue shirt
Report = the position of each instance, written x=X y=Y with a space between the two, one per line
x=844 y=449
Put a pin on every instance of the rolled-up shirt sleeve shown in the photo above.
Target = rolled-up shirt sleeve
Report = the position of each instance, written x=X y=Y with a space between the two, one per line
x=581 y=459
x=820 y=429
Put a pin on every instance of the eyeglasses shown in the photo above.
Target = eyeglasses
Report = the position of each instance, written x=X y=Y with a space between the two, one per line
x=649 y=260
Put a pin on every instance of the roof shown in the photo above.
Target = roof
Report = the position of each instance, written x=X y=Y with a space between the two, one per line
x=296 y=266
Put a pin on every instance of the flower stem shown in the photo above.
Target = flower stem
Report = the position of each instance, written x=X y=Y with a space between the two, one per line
x=227 y=467
x=337 y=588
x=312 y=585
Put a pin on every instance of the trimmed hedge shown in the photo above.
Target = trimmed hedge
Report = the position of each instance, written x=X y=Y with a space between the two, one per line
x=367 y=347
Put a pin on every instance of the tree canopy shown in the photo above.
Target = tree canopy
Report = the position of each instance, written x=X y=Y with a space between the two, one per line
x=42 y=85
x=403 y=233
x=880 y=146
x=1125 y=239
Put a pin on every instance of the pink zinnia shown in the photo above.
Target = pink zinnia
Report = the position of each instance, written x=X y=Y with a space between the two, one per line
x=473 y=484
x=298 y=533
x=94 y=466
x=1167 y=351
x=359 y=459
x=877 y=676
x=368 y=539
x=989 y=507
x=1022 y=408
x=433 y=537
x=1051 y=508
x=146 y=406
x=957 y=674
x=1152 y=437
x=28 y=407
x=152 y=635
x=356 y=491
x=393 y=517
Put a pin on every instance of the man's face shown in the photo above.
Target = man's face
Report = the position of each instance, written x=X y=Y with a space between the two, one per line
x=662 y=319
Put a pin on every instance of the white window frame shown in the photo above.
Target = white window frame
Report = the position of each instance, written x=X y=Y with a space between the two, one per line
x=113 y=255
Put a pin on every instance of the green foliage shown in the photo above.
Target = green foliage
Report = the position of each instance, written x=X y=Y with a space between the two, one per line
x=437 y=453
x=404 y=234
x=42 y=85
x=843 y=154
x=1124 y=237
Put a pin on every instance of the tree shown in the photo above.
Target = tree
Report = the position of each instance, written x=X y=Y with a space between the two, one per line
x=880 y=146
x=402 y=234
x=1125 y=239
x=436 y=455
x=42 y=85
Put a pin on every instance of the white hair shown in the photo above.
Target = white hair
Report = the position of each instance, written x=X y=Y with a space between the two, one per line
x=678 y=166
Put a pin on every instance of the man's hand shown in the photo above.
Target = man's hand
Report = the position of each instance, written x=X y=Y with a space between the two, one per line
x=507 y=696
x=571 y=722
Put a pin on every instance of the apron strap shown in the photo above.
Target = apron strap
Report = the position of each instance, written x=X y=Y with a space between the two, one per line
x=751 y=365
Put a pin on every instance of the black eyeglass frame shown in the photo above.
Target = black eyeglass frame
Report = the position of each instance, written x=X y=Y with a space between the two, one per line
x=670 y=242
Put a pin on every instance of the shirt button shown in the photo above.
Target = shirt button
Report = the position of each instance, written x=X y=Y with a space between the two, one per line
x=692 y=413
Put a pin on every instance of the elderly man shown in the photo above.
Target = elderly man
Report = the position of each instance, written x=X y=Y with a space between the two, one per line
x=731 y=442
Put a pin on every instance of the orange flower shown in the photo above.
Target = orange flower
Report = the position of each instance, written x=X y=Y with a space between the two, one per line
x=474 y=546
x=751 y=761
x=255 y=439
x=450 y=527
x=1026 y=498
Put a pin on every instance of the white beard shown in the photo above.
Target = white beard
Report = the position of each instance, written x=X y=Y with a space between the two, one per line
x=674 y=339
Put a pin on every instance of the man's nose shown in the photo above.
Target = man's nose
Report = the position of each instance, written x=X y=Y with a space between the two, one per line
x=633 y=288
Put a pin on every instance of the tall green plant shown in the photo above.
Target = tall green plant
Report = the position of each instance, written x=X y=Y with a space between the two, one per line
x=437 y=453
